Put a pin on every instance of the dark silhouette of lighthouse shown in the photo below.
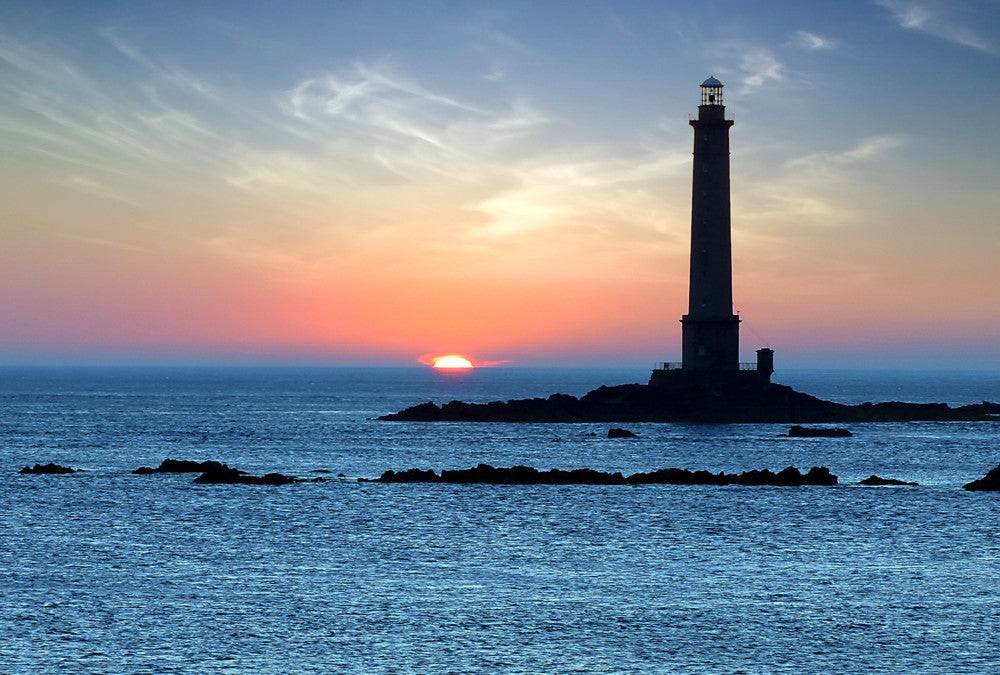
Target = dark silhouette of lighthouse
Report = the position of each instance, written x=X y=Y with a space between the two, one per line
x=710 y=335
x=711 y=332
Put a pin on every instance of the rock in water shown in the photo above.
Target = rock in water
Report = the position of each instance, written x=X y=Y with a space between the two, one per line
x=274 y=479
x=526 y=475
x=182 y=466
x=806 y=432
x=223 y=475
x=989 y=482
x=633 y=403
x=49 y=468
x=878 y=480
x=230 y=476
x=615 y=432
x=216 y=473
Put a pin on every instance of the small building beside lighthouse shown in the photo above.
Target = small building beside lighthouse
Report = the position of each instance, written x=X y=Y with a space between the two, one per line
x=710 y=331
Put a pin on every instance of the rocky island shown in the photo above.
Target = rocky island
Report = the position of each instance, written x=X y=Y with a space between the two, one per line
x=526 y=475
x=762 y=403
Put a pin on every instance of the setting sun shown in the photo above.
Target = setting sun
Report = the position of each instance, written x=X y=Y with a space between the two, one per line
x=452 y=361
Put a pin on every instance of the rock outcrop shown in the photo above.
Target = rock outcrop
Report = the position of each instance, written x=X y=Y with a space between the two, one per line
x=49 y=468
x=216 y=473
x=616 y=432
x=878 y=480
x=525 y=475
x=767 y=403
x=182 y=466
x=230 y=476
x=814 y=432
x=989 y=482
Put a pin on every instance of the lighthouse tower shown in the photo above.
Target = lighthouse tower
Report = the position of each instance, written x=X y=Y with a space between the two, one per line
x=711 y=332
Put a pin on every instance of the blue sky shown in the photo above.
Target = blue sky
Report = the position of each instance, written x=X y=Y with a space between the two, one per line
x=370 y=182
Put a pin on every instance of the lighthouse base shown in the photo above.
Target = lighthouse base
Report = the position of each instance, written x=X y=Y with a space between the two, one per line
x=741 y=377
x=678 y=379
x=711 y=343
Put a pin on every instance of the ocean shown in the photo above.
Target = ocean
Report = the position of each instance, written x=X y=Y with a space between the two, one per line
x=106 y=571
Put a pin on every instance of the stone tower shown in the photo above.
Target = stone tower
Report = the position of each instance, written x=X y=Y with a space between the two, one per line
x=711 y=332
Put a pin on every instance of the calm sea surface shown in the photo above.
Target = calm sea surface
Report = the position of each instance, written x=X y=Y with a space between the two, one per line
x=104 y=571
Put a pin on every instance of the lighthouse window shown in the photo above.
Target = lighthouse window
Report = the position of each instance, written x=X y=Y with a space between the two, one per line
x=711 y=95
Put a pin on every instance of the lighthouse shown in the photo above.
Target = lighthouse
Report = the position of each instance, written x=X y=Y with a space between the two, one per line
x=710 y=331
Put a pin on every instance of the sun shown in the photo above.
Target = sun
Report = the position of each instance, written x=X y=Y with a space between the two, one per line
x=451 y=361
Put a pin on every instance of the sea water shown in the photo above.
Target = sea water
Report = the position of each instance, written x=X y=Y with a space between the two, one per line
x=106 y=571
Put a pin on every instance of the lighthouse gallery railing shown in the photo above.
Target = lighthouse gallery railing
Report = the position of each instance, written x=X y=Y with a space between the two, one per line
x=677 y=365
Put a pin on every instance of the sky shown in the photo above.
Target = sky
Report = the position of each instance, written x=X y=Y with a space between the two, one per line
x=376 y=182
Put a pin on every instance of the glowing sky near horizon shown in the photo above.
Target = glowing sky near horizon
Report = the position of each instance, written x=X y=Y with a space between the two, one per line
x=369 y=182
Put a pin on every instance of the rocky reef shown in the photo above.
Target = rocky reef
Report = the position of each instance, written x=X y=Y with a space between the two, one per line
x=822 y=432
x=216 y=473
x=878 y=480
x=182 y=466
x=765 y=403
x=990 y=482
x=230 y=476
x=50 y=468
x=526 y=475
x=212 y=472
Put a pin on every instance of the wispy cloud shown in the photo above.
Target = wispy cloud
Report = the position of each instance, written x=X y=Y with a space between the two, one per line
x=486 y=34
x=866 y=149
x=93 y=187
x=109 y=243
x=496 y=73
x=362 y=153
x=371 y=120
x=758 y=66
x=933 y=19
x=809 y=190
x=169 y=73
x=615 y=197
x=371 y=124
x=72 y=114
x=804 y=39
x=371 y=101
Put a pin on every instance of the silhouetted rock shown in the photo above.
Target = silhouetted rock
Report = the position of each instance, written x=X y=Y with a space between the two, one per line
x=878 y=480
x=789 y=477
x=615 y=432
x=49 y=468
x=212 y=472
x=822 y=432
x=408 y=476
x=631 y=403
x=229 y=476
x=223 y=474
x=526 y=475
x=989 y=482
x=181 y=466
